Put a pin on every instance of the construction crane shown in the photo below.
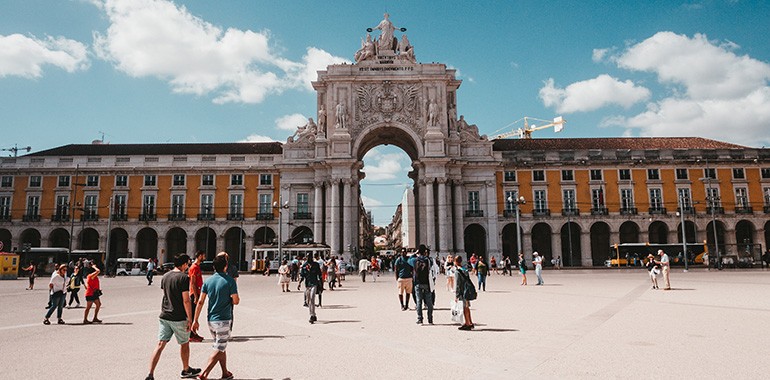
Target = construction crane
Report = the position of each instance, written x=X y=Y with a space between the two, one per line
x=15 y=149
x=526 y=133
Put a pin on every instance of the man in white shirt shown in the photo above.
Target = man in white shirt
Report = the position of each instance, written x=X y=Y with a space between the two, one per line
x=363 y=267
x=56 y=289
x=665 y=265
x=537 y=260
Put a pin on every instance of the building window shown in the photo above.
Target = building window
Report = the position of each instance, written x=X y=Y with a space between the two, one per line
x=538 y=175
x=738 y=173
x=90 y=206
x=35 y=181
x=236 y=204
x=150 y=180
x=33 y=205
x=265 y=179
x=712 y=197
x=681 y=174
x=567 y=175
x=265 y=203
x=624 y=174
x=474 y=204
x=121 y=180
x=177 y=204
x=510 y=200
x=653 y=174
x=119 y=205
x=656 y=199
x=207 y=204
x=148 y=205
x=741 y=198
x=178 y=180
x=64 y=181
x=710 y=173
x=92 y=181
x=62 y=207
x=765 y=173
x=626 y=199
x=236 y=179
x=6 y=181
x=207 y=180
x=509 y=176
x=540 y=202
x=568 y=196
x=597 y=199
x=685 y=199
x=303 y=204
x=5 y=207
x=596 y=175
x=766 y=192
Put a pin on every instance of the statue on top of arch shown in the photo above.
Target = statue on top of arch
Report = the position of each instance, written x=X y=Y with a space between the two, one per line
x=386 y=42
x=304 y=132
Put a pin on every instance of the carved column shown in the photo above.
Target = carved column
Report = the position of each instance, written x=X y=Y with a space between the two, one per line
x=586 y=259
x=556 y=246
x=493 y=235
x=355 y=220
x=430 y=214
x=443 y=220
x=347 y=224
x=317 y=212
x=459 y=214
x=335 y=217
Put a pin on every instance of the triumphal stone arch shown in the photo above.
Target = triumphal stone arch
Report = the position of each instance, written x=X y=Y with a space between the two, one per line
x=388 y=97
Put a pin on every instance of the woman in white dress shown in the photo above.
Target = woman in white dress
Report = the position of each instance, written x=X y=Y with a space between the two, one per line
x=449 y=270
x=283 y=276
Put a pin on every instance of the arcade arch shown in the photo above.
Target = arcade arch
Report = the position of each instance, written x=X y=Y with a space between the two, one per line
x=118 y=243
x=475 y=241
x=206 y=241
x=510 y=241
x=301 y=235
x=59 y=238
x=89 y=239
x=235 y=246
x=176 y=243
x=600 y=243
x=629 y=232
x=6 y=238
x=570 y=238
x=30 y=237
x=147 y=243
x=657 y=233
x=541 y=240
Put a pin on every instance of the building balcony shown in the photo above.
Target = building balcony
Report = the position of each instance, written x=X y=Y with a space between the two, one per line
x=509 y=213
x=206 y=217
x=60 y=218
x=122 y=217
x=148 y=217
x=629 y=211
x=265 y=216
x=687 y=210
x=303 y=215
x=5 y=218
x=744 y=210
x=474 y=213
x=715 y=210
x=235 y=216
x=599 y=211
x=177 y=217
x=657 y=211
x=541 y=212
x=570 y=212
x=30 y=218
x=89 y=217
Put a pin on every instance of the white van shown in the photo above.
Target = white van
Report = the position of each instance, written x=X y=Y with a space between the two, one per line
x=131 y=267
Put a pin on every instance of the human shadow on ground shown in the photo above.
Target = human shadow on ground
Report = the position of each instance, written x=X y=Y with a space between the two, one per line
x=246 y=338
x=333 y=322
x=101 y=324
x=336 y=307
x=495 y=291
x=674 y=289
x=486 y=329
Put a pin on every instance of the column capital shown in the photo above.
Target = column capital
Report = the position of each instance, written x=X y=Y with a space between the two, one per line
x=319 y=184
x=285 y=186
x=442 y=180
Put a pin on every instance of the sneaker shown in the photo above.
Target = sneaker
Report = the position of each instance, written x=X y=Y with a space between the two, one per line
x=61 y=322
x=313 y=319
x=97 y=320
x=419 y=322
x=190 y=373
x=87 y=322
x=149 y=377
x=228 y=376
x=196 y=338
x=46 y=322
x=464 y=327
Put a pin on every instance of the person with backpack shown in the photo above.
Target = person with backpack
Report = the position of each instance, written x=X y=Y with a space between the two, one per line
x=73 y=286
x=422 y=287
x=404 y=280
x=465 y=292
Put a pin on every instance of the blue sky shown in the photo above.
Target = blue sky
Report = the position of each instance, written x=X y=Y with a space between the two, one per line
x=143 y=71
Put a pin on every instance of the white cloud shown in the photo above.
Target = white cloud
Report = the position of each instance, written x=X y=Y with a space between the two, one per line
x=25 y=56
x=379 y=166
x=290 y=122
x=592 y=94
x=156 y=38
x=599 y=54
x=370 y=203
x=257 y=138
x=724 y=96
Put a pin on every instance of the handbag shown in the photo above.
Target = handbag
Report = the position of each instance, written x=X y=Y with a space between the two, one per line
x=457 y=311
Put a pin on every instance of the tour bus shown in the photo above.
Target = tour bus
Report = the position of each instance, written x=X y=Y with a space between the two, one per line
x=635 y=254
x=267 y=254
x=131 y=266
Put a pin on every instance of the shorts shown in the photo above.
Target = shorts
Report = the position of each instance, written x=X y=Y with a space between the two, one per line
x=168 y=328
x=220 y=330
x=404 y=285
x=92 y=298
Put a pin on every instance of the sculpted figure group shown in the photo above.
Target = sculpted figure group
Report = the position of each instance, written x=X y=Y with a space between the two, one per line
x=387 y=41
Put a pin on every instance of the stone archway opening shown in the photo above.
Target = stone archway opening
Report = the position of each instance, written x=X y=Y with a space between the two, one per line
x=629 y=232
x=510 y=241
x=689 y=232
x=541 y=241
x=176 y=243
x=235 y=246
x=264 y=235
x=6 y=238
x=657 y=233
x=30 y=238
x=118 y=243
x=720 y=237
x=600 y=243
x=147 y=243
x=206 y=241
x=301 y=235
x=89 y=239
x=475 y=241
x=59 y=238
x=570 y=244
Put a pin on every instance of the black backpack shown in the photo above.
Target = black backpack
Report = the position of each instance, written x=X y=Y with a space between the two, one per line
x=422 y=271
x=469 y=290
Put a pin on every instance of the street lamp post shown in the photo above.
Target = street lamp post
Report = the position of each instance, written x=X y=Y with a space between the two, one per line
x=516 y=201
x=280 y=205
x=208 y=229
x=711 y=202
x=684 y=229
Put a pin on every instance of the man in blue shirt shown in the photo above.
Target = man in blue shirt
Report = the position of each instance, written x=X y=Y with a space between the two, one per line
x=223 y=294
x=404 y=279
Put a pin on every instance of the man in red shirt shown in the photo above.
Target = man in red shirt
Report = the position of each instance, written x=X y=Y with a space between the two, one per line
x=196 y=282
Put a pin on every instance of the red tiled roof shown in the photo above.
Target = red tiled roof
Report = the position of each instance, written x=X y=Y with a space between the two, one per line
x=634 y=143
x=161 y=149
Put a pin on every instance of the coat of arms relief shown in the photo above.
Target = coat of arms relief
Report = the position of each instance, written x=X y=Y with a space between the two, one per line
x=388 y=102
